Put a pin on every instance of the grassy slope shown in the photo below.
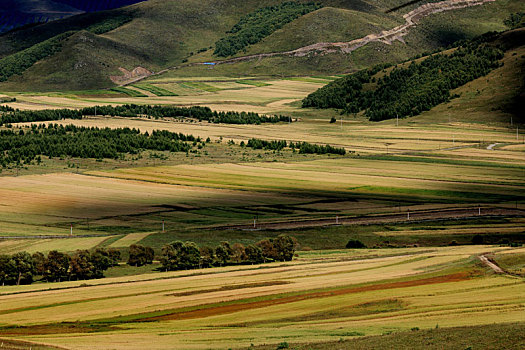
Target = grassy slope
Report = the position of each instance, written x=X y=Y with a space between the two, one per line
x=164 y=33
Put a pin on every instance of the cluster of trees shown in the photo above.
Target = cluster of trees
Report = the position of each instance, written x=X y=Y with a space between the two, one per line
x=22 y=268
x=309 y=148
x=132 y=111
x=17 y=146
x=195 y=112
x=516 y=20
x=257 y=25
x=302 y=147
x=18 y=116
x=109 y=24
x=187 y=255
x=18 y=62
x=409 y=90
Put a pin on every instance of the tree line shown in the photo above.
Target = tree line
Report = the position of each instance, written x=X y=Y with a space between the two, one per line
x=302 y=147
x=187 y=255
x=54 y=140
x=22 y=267
x=410 y=89
x=133 y=111
x=180 y=255
x=259 y=24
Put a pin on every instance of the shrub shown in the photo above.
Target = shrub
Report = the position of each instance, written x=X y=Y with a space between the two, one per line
x=355 y=244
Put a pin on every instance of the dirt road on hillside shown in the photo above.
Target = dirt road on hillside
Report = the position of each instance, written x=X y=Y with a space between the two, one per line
x=387 y=37
x=490 y=264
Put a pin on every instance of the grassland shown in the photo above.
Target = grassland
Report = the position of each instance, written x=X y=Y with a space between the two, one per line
x=319 y=297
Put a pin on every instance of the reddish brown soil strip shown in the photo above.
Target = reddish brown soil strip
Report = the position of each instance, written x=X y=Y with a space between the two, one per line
x=226 y=288
x=226 y=309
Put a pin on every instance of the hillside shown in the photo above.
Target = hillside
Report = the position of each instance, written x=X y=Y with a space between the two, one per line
x=417 y=86
x=166 y=34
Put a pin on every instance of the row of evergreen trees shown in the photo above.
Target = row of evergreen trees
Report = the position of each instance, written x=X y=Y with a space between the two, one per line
x=19 y=146
x=257 y=25
x=409 y=90
x=22 y=268
x=302 y=147
x=10 y=115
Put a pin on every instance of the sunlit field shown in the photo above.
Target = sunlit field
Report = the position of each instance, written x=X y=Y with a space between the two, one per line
x=321 y=296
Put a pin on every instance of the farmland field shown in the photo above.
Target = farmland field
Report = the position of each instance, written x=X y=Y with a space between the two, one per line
x=321 y=296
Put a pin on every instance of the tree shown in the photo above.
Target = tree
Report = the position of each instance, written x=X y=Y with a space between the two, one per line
x=7 y=270
x=207 y=256
x=238 y=253
x=285 y=246
x=23 y=267
x=56 y=266
x=178 y=256
x=140 y=255
x=39 y=261
x=354 y=243
x=114 y=256
x=268 y=250
x=222 y=254
x=171 y=255
x=100 y=261
x=81 y=265
x=254 y=254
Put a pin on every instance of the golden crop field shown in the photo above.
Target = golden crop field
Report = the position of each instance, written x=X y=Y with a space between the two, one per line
x=320 y=296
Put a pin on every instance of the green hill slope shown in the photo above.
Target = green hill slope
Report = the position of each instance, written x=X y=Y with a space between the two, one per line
x=483 y=78
x=160 y=34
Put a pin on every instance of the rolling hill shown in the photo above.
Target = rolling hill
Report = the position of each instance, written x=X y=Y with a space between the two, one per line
x=158 y=35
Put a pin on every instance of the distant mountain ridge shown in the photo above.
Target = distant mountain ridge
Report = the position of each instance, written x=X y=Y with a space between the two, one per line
x=18 y=13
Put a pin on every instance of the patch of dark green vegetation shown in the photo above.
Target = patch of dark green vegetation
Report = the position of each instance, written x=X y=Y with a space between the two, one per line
x=109 y=24
x=10 y=115
x=410 y=90
x=17 y=63
x=21 y=268
x=494 y=336
x=128 y=92
x=155 y=90
x=17 y=146
x=259 y=24
x=516 y=20
x=302 y=147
